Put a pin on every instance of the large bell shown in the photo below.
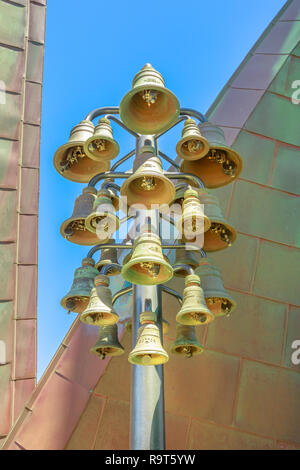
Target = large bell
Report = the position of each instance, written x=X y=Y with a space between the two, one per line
x=100 y=310
x=149 y=108
x=218 y=300
x=101 y=146
x=78 y=297
x=70 y=159
x=165 y=326
x=73 y=229
x=148 y=185
x=186 y=343
x=147 y=265
x=193 y=221
x=194 y=310
x=103 y=220
x=184 y=257
x=192 y=144
x=148 y=350
x=108 y=342
x=108 y=256
x=221 y=165
x=221 y=234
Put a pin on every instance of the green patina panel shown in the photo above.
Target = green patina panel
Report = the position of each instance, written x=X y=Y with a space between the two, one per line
x=6 y=315
x=12 y=24
x=223 y=195
x=257 y=154
x=254 y=330
x=268 y=401
x=35 y=62
x=286 y=173
x=296 y=51
x=10 y=116
x=243 y=251
x=11 y=67
x=266 y=213
x=276 y=117
x=284 y=80
x=278 y=273
x=9 y=157
x=7 y=271
x=8 y=215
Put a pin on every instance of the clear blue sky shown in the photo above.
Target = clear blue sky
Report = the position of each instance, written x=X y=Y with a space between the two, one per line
x=93 y=49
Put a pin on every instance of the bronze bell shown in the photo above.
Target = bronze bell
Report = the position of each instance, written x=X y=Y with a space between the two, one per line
x=73 y=229
x=148 y=350
x=101 y=146
x=149 y=108
x=218 y=300
x=186 y=343
x=148 y=185
x=108 y=256
x=108 y=342
x=70 y=159
x=184 y=257
x=103 y=220
x=165 y=326
x=193 y=221
x=100 y=310
x=147 y=265
x=192 y=144
x=194 y=310
x=221 y=234
x=78 y=297
x=221 y=165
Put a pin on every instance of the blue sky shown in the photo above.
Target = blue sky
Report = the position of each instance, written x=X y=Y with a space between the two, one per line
x=93 y=49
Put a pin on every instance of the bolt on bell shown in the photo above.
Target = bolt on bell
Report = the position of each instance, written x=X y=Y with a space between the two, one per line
x=221 y=165
x=102 y=146
x=108 y=343
x=148 y=185
x=186 y=343
x=100 y=310
x=77 y=299
x=194 y=310
x=192 y=145
x=71 y=161
x=146 y=264
x=103 y=220
x=149 y=107
x=148 y=350
x=218 y=300
x=73 y=229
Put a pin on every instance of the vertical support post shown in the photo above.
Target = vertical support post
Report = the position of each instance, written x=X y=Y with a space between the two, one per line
x=147 y=431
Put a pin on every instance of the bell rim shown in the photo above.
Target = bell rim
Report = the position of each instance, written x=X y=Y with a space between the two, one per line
x=199 y=349
x=202 y=139
x=164 y=356
x=58 y=154
x=91 y=229
x=193 y=322
x=113 y=318
x=66 y=223
x=92 y=157
x=218 y=294
x=66 y=297
x=145 y=283
x=126 y=98
x=230 y=228
x=118 y=351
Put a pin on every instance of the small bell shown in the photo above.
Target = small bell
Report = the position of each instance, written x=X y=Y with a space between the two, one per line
x=147 y=265
x=100 y=310
x=192 y=145
x=73 y=229
x=186 y=343
x=218 y=300
x=108 y=256
x=102 y=221
x=194 y=310
x=148 y=350
x=184 y=257
x=70 y=159
x=165 y=326
x=149 y=108
x=221 y=234
x=221 y=165
x=108 y=342
x=148 y=185
x=78 y=297
x=193 y=221
x=101 y=146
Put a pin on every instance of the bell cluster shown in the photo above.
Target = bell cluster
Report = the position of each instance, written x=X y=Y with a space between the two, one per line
x=147 y=111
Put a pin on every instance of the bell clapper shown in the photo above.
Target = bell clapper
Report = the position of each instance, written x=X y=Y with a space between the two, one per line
x=148 y=183
x=99 y=145
x=152 y=268
x=149 y=96
x=224 y=234
x=192 y=145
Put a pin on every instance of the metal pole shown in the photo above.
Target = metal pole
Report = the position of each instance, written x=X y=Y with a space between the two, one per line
x=147 y=387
